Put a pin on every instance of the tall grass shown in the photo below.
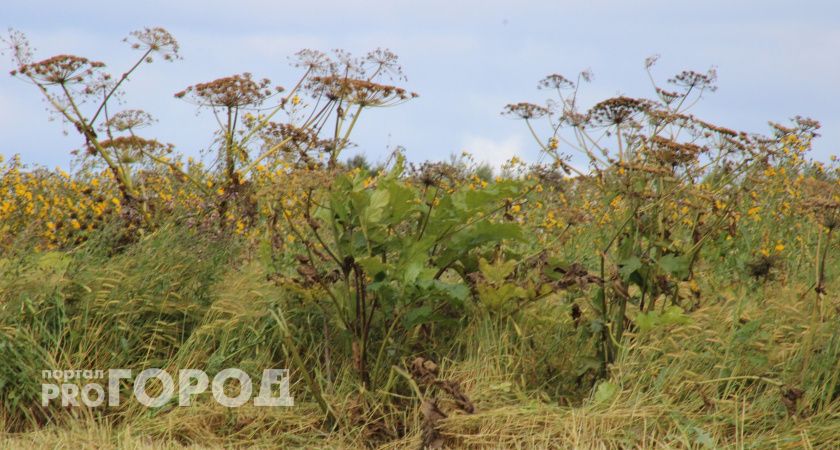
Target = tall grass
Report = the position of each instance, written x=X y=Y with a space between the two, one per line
x=175 y=299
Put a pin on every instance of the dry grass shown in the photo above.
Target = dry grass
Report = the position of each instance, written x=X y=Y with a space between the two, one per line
x=716 y=382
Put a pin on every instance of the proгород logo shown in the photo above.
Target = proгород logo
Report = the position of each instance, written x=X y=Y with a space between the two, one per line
x=85 y=387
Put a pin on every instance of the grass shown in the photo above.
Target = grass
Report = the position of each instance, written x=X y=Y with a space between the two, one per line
x=716 y=382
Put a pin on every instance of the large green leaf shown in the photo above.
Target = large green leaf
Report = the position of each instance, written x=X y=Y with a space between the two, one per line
x=418 y=315
x=375 y=211
x=496 y=273
x=373 y=265
x=675 y=265
x=628 y=266
x=402 y=201
x=605 y=392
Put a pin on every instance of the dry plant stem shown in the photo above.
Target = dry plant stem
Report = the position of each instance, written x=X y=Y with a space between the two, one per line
x=361 y=322
x=820 y=283
x=229 y=156
x=819 y=290
x=425 y=220
x=117 y=85
x=174 y=167
x=314 y=387
x=85 y=127
x=265 y=121
x=608 y=341
x=743 y=377
x=339 y=306
x=274 y=149
x=381 y=352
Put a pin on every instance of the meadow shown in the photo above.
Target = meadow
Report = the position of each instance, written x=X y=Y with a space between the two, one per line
x=678 y=291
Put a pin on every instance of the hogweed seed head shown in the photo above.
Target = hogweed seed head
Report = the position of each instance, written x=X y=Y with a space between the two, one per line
x=155 y=40
x=234 y=91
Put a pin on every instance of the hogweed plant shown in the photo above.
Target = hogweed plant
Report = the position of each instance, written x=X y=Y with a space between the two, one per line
x=671 y=182
x=387 y=258
x=79 y=91
x=256 y=135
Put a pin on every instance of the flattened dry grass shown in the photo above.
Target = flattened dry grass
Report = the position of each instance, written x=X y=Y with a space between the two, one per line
x=719 y=381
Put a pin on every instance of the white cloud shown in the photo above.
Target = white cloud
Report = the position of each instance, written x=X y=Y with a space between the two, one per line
x=494 y=151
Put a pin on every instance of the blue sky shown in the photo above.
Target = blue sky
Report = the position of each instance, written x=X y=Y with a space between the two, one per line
x=466 y=59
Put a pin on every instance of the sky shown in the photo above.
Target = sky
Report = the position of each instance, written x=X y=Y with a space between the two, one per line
x=466 y=59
